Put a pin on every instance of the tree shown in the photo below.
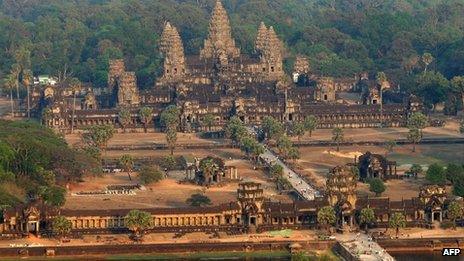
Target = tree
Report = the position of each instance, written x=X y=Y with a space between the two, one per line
x=338 y=136
x=138 y=222
x=171 y=139
x=124 y=118
x=10 y=83
x=381 y=78
x=53 y=196
x=169 y=118
x=454 y=212
x=366 y=217
x=294 y=153
x=15 y=72
x=208 y=121
x=432 y=87
x=126 y=162
x=396 y=221
x=146 y=116
x=453 y=171
x=284 y=144
x=310 y=124
x=326 y=216
x=257 y=150
x=98 y=136
x=389 y=146
x=416 y=170
x=458 y=86
x=298 y=129
x=276 y=170
x=458 y=186
x=272 y=128
x=377 y=186
x=417 y=120
x=415 y=137
x=198 y=200
x=27 y=80
x=150 y=174
x=235 y=130
x=436 y=174
x=209 y=166
x=75 y=86
x=427 y=59
x=168 y=162
x=461 y=127
x=61 y=226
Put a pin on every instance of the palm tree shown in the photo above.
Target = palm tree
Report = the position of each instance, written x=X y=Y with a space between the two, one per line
x=16 y=71
x=9 y=83
x=27 y=79
x=366 y=217
x=75 y=85
x=208 y=121
x=124 y=118
x=397 y=221
x=337 y=136
x=127 y=163
x=138 y=222
x=381 y=79
x=146 y=116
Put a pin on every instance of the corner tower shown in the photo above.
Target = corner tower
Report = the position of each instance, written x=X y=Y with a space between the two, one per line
x=219 y=44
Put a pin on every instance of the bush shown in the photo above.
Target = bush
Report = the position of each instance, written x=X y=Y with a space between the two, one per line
x=446 y=224
x=168 y=162
x=150 y=174
x=436 y=174
x=377 y=186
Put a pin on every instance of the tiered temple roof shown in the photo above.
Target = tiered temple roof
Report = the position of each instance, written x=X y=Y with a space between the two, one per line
x=173 y=50
x=219 y=42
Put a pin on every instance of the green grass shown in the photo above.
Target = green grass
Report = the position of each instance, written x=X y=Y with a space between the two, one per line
x=160 y=256
x=443 y=154
x=283 y=233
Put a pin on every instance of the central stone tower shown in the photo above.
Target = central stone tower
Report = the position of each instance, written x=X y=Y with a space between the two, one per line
x=219 y=45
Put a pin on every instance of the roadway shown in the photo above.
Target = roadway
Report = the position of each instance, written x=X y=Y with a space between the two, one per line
x=303 y=188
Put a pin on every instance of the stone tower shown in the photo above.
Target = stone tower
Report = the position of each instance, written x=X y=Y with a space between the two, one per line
x=341 y=194
x=117 y=68
x=261 y=38
x=272 y=55
x=219 y=45
x=123 y=84
x=173 y=51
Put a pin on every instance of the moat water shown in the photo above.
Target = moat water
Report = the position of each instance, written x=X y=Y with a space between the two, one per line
x=435 y=256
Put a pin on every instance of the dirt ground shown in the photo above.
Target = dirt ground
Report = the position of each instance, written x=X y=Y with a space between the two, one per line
x=315 y=163
x=293 y=235
x=450 y=130
x=168 y=193
x=126 y=139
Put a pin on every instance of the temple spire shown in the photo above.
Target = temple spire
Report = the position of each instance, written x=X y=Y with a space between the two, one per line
x=173 y=51
x=219 y=42
x=261 y=37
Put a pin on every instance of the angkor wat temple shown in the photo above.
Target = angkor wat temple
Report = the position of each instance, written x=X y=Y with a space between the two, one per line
x=223 y=82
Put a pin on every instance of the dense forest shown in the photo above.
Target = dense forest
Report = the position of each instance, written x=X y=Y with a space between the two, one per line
x=76 y=38
x=37 y=163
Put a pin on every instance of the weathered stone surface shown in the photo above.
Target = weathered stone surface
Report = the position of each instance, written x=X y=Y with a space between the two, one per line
x=219 y=44
x=173 y=51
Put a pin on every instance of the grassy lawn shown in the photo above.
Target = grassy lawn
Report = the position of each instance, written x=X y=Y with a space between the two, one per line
x=428 y=154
